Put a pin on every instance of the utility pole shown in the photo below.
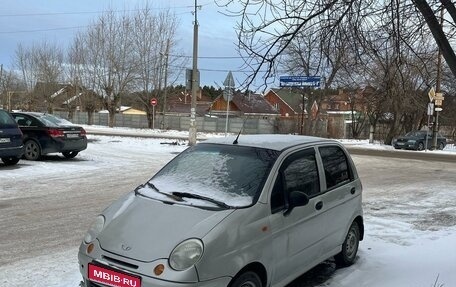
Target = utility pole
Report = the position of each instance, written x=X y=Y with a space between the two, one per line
x=166 y=82
x=435 y=128
x=195 y=83
x=1 y=81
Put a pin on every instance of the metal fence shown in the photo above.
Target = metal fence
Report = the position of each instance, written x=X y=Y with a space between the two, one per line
x=251 y=125
x=204 y=124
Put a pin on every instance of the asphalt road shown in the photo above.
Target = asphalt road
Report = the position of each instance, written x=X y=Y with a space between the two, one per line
x=404 y=154
x=52 y=214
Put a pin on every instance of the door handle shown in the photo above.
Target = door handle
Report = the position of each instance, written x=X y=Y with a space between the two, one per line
x=319 y=205
x=353 y=190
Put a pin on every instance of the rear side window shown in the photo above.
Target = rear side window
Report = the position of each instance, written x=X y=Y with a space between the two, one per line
x=336 y=166
x=6 y=120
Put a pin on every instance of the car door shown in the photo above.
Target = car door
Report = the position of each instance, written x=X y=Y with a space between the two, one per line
x=297 y=233
x=341 y=195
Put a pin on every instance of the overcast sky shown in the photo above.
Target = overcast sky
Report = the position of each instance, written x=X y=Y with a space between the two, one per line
x=31 y=21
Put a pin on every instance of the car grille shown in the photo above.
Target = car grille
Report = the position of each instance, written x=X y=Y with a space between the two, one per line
x=123 y=263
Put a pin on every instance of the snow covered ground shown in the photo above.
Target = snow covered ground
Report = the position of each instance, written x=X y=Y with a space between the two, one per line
x=410 y=225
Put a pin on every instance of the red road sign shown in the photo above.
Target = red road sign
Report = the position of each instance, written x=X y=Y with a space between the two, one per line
x=153 y=102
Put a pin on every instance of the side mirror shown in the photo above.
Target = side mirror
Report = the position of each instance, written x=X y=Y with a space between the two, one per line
x=296 y=199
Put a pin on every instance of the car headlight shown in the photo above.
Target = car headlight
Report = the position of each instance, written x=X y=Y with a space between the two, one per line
x=186 y=254
x=95 y=229
x=411 y=141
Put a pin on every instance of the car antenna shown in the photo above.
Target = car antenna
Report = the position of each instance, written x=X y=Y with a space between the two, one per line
x=236 y=140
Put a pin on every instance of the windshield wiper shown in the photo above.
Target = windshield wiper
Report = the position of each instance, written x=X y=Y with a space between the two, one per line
x=196 y=196
x=173 y=196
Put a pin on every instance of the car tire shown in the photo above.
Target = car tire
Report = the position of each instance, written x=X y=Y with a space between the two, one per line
x=10 y=160
x=420 y=146
x=441 y=146
x=32 y=150
x=247 y=279
x=350 y=247
x=70 y=154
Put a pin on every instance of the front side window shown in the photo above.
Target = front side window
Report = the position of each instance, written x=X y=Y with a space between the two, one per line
x=336 y=166
x=231 y=174
x=299 y=172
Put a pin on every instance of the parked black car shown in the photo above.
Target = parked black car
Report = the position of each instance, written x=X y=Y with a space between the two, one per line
x=417 y=140
x=11 y=147
x=47 y=133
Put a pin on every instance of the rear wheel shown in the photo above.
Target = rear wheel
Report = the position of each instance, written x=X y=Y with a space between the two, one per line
x=10 y=160
x=247 y=279
x=70 y=154
x=32 y=150
x=350 y=247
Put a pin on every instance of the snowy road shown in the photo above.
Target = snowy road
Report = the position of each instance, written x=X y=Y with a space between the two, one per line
x=46 y=207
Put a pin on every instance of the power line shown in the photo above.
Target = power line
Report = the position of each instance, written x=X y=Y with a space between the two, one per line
x=208 y=57
x=97 y=12
x=43 y=30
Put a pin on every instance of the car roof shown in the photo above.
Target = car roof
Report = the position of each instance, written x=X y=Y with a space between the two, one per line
x=36 y=114
x=270 y=141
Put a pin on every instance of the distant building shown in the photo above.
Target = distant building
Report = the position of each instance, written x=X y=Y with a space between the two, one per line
x=286 y=102
x=250 y=105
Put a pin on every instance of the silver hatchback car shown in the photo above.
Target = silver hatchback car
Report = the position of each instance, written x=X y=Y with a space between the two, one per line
x=253 y=211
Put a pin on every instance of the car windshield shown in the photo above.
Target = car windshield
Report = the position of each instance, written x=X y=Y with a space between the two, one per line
x=213 y=175
x=6 y=120
x=54 y=121
x=415 y=134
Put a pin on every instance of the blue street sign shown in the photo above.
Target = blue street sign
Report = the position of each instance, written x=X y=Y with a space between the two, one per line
x=300 y=81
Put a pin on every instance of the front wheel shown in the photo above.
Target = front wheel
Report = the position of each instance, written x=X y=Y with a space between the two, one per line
x=247 y=279
x=10 y=160
x=70 y=154
x=32 y=150
x=441 y=146
x=350 y=247
x=420 y=146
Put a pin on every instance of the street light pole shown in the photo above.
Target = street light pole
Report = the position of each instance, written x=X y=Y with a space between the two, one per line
x=165 y=93
x=435 y=127
x=195 y=84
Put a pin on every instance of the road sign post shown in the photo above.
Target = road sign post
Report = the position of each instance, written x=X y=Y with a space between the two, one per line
x=153 y=103
x=438 y=100
x=430 y=112
x=228 y=95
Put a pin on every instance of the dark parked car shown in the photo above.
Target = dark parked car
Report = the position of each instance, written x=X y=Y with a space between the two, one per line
x=417 y=140
x=11 y=147
x=46 y=133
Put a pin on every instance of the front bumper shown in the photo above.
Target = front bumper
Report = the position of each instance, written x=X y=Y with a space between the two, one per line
x=405 y=145
x=169 y=278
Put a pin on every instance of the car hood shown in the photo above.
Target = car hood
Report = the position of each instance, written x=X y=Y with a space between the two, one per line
x=404 y=138
x=145 y=229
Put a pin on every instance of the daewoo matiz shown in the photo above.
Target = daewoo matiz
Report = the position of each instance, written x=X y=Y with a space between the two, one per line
x=253 y=211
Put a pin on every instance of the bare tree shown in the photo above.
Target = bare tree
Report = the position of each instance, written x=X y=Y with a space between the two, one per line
x=108 y=58
x=267 y=27
x=25 y=64
x=48 y=60
x=10 y=85
x=320 y=51
x=41 y=62
x=153 y=39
